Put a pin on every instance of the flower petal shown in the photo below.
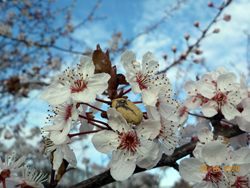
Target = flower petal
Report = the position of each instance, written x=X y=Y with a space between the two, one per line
x=106 y=141
x=69 y=155
x=116 y=121
x=122 y=165
x=148 y=129
x=190 y=170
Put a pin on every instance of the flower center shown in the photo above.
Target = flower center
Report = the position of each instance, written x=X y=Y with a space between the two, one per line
x=68 y=112
x=213 y=176
x=78 y=86
x=220 y=98
x=129 y=141
x=182 y=111
x=141 y=80
x=241 y=182
x=4 y=174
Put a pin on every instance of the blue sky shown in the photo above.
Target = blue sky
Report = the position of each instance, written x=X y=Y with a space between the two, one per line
x=131 y=17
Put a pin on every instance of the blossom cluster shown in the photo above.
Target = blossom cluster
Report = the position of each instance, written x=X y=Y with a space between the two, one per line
x=14 y=174
x=219 y=92
x=208 y=167
x=134 y=139
x=137 y=138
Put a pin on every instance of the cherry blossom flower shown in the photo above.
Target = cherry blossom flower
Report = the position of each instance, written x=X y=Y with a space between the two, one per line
x=211 y=154
x=62 y=121
x=167 y=136
x=31 y=178
x=222 y=94
x=9 y=168
x=130 y=145
x=165 y=107
x=80 y=85
x=144 y=81
x=194 y=99
x=61 y=151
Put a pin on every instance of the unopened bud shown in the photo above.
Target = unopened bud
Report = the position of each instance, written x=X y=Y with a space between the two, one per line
x=174 y=48
x=198 y=52
x=196 y=60
x=183 y=55
x=196 y=24
x=187 y=36
x=216 y=30
x=165 y=56
x=227 y=17
x=210 y=4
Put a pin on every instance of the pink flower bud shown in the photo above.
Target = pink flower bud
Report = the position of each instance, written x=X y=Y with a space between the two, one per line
x=210 y=4
x=216 y=30
x=196 y=60
x=187 y=36
x=165 y=56
x=196 y=24
x=198 y=52
x=174 y=48
x=227 y=17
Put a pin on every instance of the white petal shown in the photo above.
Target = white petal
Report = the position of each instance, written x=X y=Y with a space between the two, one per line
x=205 y=135
x=149 y=97
x=148 y=149
x=214 y=153
x=69 y=155
x=85 y=96
x=105 y=141
x=206 y=89
x=87 y=66
x=242 y=156
x=192 y=102
x=190 y=170
x=226 y=81
x=221 y=69
x=190 y=87
x=56 y=94
x=116 y=121
x=229 y=111
x=204 y=184
x=59 y=137
x=98 y=83
x=209 y=109
x=122 y=166
x=153 y=113
x=147 y=162
x=149 y=63
x=55 y=127
x=128 y=60
x=148 y=129
x=58 y=158
x=244 y=125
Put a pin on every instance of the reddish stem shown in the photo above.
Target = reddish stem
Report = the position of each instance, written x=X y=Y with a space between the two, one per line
x=198 y=115
x=137 y=102
x=124 y=93
x=4 y=185
x=81 y=116
x=93 y=106
x=100 y=100
x=225 y=121
x=88 y=132
x=101 y=127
